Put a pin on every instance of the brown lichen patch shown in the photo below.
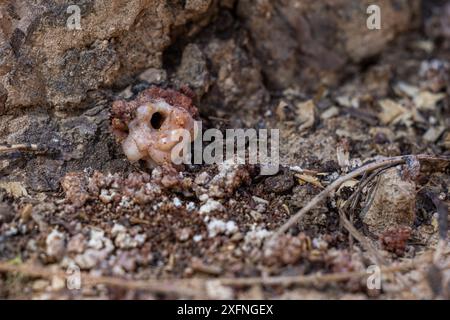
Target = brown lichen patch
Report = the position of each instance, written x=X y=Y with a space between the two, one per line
x=395 y=239
x=288 y=250
x=74 y=185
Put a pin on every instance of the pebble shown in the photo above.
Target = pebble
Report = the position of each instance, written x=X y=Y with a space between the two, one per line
x=184 y=234
x=90 y=258
x=217 y=227
x=211 y=205
x=55 y=244
x=255 y=215
x=281 y=183
x=190 y=206
x=260 y=200
x=6 y=213
x=76 y=244
x=177 y=202
x=58 y=283
x=97 y=238
x=202 y=178
x=40 y=285
x=125 y=241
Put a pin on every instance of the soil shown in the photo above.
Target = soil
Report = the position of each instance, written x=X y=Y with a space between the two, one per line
x=341 y=96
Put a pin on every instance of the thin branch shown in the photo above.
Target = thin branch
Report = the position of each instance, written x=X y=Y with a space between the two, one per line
x=322 y=278
x=175 y=287
x=19 y=147
x=337 y=183
x=367 y=245
x=195 y=287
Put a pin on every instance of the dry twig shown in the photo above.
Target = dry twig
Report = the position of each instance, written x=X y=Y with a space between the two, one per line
x=378 y=259
x=323 y=278
x=176 y=287
x=337 y=183
x=195 y=287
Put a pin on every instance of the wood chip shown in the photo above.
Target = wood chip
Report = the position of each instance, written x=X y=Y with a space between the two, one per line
x=390 y=111
x=433 y=133
x=330 y=113
x=406 y=90
x=306 y=114
x=15 y=189
x=280 y=110
x=309 y=179
x=447 y=141
x=426 y=100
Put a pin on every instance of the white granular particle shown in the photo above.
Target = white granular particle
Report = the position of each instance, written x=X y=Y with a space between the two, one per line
x=117 y=228
x=216 y=227
x=211 y=205
x=190 y=206
x=197 y=237
x=255 y=237
x=177 y=202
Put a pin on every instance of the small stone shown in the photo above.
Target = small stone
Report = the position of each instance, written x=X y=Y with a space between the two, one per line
x=255 y=215
x=216 y=290
x=281 y=183
x=202 y=178
x=193 y=69
x=380 y=138
x=391 y=110
x=260 y=200
x=105 y=196
x=25 y=212
x=55 y=244
x=6 y=213
x=395 y=239
x=76 y=244
x=96 y=240
x=255 y=237
x=184 y=234
x=40 y=285
x=177 y=202
x=140 y=239
x=58 y=283
x=211 y=205
x=261 y=208
x=433 y=134
x=392 y=203
x=126 y=261
x=153 y=76
x=118 y=228
x=427 y=101
x=330 y=113
x=217 y=227
x=125 y=241
x=237 y=237
x=306 y=114
x=447 y=141
x=190 y=206
x=74 y=186
x=89 y=259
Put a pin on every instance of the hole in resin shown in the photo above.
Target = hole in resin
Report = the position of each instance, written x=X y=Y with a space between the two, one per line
x=157 y=120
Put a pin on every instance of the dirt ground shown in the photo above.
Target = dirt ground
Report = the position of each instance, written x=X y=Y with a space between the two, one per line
x=342 y=97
